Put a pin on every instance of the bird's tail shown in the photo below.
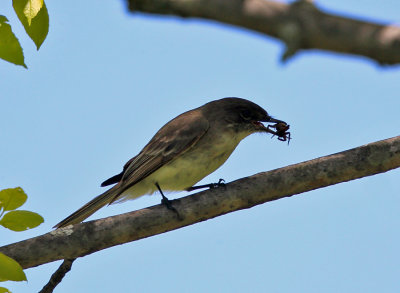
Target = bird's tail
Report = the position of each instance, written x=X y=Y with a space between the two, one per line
x=91 y=207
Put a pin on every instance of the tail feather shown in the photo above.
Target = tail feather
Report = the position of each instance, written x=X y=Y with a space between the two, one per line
x=115 y=179
x=91 y=207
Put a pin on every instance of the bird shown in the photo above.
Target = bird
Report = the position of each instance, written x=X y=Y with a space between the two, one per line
x=184 y=151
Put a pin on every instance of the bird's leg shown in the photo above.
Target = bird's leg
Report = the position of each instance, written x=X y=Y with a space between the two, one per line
x=165 y=201
x=211 y=185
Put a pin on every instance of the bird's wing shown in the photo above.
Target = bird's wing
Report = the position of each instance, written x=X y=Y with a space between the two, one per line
x=175 y=138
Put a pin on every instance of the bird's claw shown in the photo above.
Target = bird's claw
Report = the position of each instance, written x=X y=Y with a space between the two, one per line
x=220 y=183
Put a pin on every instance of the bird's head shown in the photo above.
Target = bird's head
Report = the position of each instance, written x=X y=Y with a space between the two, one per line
x=241 y=115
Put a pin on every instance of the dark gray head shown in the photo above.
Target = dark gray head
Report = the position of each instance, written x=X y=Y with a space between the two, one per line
x=241 y=114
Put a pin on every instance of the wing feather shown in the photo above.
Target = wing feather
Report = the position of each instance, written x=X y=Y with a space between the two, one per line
x=175 y=138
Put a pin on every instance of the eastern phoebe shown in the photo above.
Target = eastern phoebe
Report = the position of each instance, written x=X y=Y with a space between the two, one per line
x=182 y=152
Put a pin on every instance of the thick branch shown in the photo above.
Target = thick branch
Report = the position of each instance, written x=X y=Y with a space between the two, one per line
x=299 y=25
x=86 y=238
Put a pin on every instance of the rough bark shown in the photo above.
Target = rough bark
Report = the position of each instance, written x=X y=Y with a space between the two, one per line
x=300 y=25
x=85 y=238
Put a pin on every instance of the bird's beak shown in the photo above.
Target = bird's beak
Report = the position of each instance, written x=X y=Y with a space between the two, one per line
x=273 y=120
x=268 y=119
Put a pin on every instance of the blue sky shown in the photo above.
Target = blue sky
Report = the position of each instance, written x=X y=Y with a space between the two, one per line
x=105 y=81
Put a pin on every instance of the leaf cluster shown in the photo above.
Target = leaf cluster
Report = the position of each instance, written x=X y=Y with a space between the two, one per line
x=15 y=220
x=34 y=17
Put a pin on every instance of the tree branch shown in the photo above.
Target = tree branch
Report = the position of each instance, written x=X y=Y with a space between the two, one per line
x=85 y=238
x=58 y=275
x=300 y=25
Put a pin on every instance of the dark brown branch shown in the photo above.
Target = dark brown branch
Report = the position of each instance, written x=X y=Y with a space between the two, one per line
x=58 y=275
x=300 y=25
x=89 y=237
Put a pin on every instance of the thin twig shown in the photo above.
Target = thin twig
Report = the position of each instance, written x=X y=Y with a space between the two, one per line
x=58 y=275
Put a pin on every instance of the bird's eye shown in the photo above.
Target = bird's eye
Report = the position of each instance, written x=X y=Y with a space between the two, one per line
x=246 y=115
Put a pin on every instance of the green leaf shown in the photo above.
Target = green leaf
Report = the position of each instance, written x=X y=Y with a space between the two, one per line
x=12 y=198
x=21 y=220
x=10 y=48
x=34 y=17
x=32 y=8
x=10 y=269
x=4 y=290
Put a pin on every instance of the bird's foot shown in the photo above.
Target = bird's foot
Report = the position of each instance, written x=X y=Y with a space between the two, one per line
x=220 y=183
x=168 y=203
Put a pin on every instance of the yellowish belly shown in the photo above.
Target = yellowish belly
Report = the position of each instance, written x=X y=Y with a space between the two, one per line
x=186 y=170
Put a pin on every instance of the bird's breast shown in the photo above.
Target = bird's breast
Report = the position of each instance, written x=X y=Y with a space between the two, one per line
x=196 y=163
